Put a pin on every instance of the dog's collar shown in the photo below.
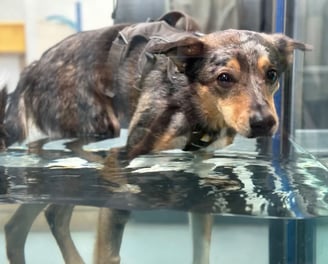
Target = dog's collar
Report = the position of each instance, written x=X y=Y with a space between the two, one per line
x=201 y=138
x=199 y=141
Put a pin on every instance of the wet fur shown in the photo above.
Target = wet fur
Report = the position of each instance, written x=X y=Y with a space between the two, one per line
x=180 y=103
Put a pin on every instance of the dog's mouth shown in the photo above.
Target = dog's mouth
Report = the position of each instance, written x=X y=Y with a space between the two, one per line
x=255 y=130
x=260 y=133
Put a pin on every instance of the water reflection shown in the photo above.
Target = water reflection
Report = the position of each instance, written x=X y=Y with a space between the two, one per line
x=237 y=180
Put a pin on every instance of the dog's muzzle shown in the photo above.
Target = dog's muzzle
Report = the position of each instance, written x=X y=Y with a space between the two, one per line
x=262 y=124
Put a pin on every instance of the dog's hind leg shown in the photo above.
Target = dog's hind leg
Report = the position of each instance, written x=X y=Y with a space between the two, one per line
x=3 y=104
x=111 y=226
x=17 y=228
x=201 y=228
x=59 y=217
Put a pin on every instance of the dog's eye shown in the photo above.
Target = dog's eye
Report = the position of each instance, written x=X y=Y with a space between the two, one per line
x=272 y=76
x=225 y=80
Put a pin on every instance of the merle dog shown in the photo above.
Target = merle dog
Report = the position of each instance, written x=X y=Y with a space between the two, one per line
x=170 y=85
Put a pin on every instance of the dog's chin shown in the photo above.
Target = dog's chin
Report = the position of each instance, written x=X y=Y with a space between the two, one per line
x=257 y=134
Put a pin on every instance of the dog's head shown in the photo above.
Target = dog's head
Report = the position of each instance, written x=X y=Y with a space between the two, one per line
x=235 y=74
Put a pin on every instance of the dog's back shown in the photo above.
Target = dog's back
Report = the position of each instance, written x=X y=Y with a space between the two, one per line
x=77 y=89
x=67 y=92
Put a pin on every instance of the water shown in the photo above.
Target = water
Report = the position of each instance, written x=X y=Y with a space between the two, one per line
x=268 y=191
x=231 y=181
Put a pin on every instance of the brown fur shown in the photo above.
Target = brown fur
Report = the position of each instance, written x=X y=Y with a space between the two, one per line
x=199 y=92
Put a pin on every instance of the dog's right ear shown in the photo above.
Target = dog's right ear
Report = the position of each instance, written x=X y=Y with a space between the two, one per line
x=180 y=51
x=286 y=46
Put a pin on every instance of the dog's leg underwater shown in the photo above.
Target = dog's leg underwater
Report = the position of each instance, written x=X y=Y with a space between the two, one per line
x=19 y=225
x=201 y=229
x=3 y=103
x=109 y=236
x=59 y=217
x=17 y=228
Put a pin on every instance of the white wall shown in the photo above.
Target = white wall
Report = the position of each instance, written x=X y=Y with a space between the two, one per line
x=10 y=64
x=96 y=13
x=42 y=33
x=11 y=10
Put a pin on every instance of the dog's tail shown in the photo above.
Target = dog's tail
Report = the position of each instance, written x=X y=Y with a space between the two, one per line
x=3 y=104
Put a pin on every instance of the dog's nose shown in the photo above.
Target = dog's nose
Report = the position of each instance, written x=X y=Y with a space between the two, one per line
x=261 y=124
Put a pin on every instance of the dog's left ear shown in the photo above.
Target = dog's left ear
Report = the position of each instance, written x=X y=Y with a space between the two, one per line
x=180 y=51
x=286 y=46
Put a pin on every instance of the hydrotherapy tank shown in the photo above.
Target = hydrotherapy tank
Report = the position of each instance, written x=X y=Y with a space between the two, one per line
x=268 y=197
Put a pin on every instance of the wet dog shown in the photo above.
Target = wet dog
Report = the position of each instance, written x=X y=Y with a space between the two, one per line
x=172 y=88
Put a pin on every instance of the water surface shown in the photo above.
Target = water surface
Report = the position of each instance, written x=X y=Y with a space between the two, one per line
x=239 y=180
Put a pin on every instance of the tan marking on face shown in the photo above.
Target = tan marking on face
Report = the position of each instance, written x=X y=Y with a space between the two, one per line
x=238 y=110
x=234 y=64
x=275 y=89
x=263 y=64
x=269 y=98
x=274 y=112
x=209 y=107
x=235 y=112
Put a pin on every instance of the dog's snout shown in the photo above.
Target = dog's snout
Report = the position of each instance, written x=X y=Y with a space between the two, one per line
x=261 y=124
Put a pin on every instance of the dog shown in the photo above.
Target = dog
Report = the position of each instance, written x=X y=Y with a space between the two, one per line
x=170 y=85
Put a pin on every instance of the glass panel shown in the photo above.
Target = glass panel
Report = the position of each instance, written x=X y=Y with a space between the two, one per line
x=310 y=93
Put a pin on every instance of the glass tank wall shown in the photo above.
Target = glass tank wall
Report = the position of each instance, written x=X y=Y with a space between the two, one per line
x=77 y=199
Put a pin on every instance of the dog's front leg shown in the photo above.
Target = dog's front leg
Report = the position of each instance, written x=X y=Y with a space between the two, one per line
x=201 y=228
x=59 y=217
x=17 y=228
x=111 y=225
x=111 y=222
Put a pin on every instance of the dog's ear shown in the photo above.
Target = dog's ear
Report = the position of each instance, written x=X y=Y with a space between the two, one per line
x=180 y=51
x=286 y=46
